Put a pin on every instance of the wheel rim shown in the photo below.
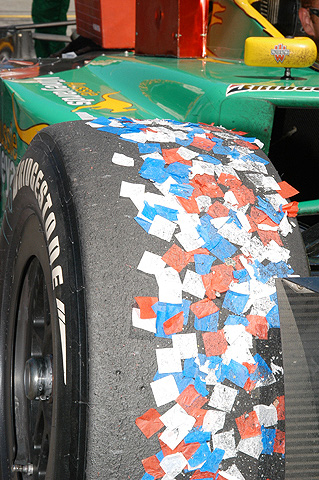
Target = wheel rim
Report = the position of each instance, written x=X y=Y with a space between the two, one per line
x=33 y=377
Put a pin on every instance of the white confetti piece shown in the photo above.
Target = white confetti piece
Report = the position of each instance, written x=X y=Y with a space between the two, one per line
x=122 y=160
x=151 y=263
x=148 y=324
x=243 y=220
x=275 y=253
x=223 y=397
x=203 y=202
x=168 y=360
x=189 y=242
x=276 y=200
x=263 y=182
x=178 y=424
x=199 y=168
x=173 y=465
x=248 y=165
x=186 y=153
x=234 y=234
x=134 y=191
x=169 y=285
x=234 y=332
x=225 y=441
x=186 y=344
x=164 y=390
x=239 y=351
x=267 y=415
x=285 y=227
x=214 y=421
x=230 y=199
x=162 y=228
x=193 y=284
x=94 y=125
x=252 y=446
x=232 y=473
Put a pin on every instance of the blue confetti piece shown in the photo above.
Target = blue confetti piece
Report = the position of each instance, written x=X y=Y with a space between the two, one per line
x=267 y=208
x=114 y=130
x=153 y=169
x=221 y=372
x=143 y=223
x=235 y=320
x=164 y=311
x=224 y=249
x=234 y=153
x=149 y=148
x=191 y=368
x=214 y=362
x=273 y=318
x=166 y=212
x=203 y=263
x=185 y=307
x=208 y=323
x=237 y=373
x=181 y=190
x=149 y=211
x=197 y=435
x=255 y=158
x=147 y=476
x=268 y=436
x=233 y=218
x=209 y=159
x=213 y=461
x=200 y=456
x=179 y=171
x=241 y=275
x=235 y=302
x=220 y=150
x=200 y=387
x=160 y=456
x=262 y=371
x=182 y=382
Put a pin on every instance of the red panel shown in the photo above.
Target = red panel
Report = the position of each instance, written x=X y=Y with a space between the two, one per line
x=171 y=27
x=109 y=23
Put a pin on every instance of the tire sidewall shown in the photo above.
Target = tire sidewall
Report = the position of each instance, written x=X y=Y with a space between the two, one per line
x=39 y=221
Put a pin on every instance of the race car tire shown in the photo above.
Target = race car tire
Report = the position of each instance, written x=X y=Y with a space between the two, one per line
x=69 y=251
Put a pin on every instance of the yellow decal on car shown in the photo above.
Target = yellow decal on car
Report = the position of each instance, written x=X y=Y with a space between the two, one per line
x=27 y=134
x=109 y=103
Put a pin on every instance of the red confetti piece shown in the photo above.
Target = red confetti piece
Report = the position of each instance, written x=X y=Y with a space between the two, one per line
x=176 y=257
x=215 y=343
x=203 y=143
x=218 y=280
x=207 y=185
x=286 y=190
x=248 y=425
x=249 y=385
x=174 y=324
x=280 y=407
x=197 y=475
x=217 y=210
x=246 y=144
x=149 y=423
x=152 y=466
x=291 y=209
x=229 y=180
x=244 y=195
x=190 y=400
x=145 y=305
x=280 y=442
x=171 y=156
x=258 y=326
x=203 y=308
x=187 y=449
x=189 y=204
x=267 y=235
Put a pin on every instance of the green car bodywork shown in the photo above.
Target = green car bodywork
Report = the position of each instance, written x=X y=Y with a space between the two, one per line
x=219 y=88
